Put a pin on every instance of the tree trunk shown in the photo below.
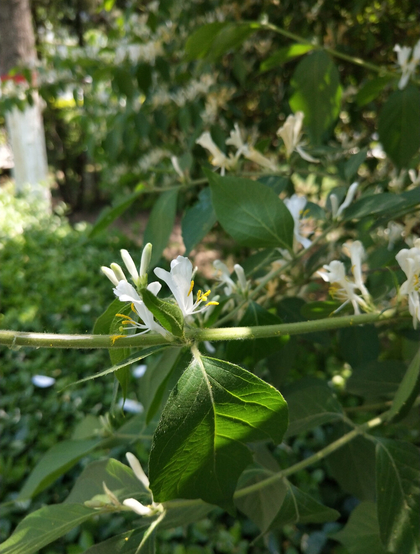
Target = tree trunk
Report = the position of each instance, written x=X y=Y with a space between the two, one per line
x=25 y=129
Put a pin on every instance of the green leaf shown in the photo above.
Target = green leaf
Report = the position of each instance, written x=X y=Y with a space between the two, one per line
x=278 y=183
x=184 y=514
x=251 y=212
x=160 y=224
x=353 y=465
x=371 y=90
x=199 y=448
x=320 y=309
x=144 y=76
x=135 y=357
x=109 y=215
x=256 y=349
x=284 y=55
x=263 y=505
x=361 y=534
x=118 y=477
x=299 y=507
x=215 y=39
x=45 y=526
x=122 y=82
x=154 y=382
x=359 y=345
x=103 y=323
x=407 y=392
x=311 y=403
x=398 y=491
x=198 y=220
x=376 y=379
x=167 y=314
x=375 y=204
x=399 y=125
x=317 y=93
x=199 y=43
x=56 y=461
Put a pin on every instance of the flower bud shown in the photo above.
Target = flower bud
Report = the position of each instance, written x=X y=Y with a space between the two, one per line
x=119 y=273
x=110 y=274
x=130 y=265
x=146 y=256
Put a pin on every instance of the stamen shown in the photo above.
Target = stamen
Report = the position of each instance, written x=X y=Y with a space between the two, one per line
x=212 y=303
x=191 y=288
x=132 y=307
x=115 y=337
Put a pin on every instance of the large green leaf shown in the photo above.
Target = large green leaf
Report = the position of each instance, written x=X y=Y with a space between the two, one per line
x=361 y=534
x=374 y=204
x=407 y=391
x=198 y=220
x=45 y=526
x=399 y=125
x=257 y=349
x=199 y=448
x=126 y=543
x=370 y=90
x=118 y=477
x=317 y=93
x=353 y=465
x=311 y=403
x=398 y=493
x=59 y=458
x=251 y=212
x=299 y=507
x=284 y=55
x=160 y=224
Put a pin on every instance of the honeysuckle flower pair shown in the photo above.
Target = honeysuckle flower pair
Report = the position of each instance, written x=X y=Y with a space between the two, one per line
x=291 y=133
x=179 y=280
x=342 y=288
x=137 y=507
x=407 y=65
x=224 y=277
x=219 y=159
x=409 y=260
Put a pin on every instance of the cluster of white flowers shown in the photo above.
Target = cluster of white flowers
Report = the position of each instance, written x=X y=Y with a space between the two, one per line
x=179 y=280
x=408 y=59
x=195 y=88
x=409 y=260
x=223 y=275
x=342 y=287
x=152 y=158
x=219 y=158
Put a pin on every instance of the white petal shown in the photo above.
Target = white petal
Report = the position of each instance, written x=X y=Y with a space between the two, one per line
x=130 y=265
x=137 y=469
x=349 y=198
x=139 y=370
x=130 y=406
x=110 y=274
x=137 y=507
x=126 y=292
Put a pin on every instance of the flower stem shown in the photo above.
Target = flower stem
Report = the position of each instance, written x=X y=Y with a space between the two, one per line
x=15 y=340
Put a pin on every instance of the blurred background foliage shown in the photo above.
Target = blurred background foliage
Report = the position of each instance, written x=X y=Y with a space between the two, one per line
x=121 y=97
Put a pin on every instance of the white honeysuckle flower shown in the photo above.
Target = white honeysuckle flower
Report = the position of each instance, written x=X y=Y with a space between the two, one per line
x=180 y=282
x=240 y=273
x=341 y=287
x=336 y=211
x=131 y=406
x=146 y=256
x=248 y=151
x=219 y=158
x=177 y=167
x=224 y=277
x=291 y=132
x=295 y=205
x=138 y=470
x=130 y=265
x=394 y=232
x=407 y=65
x=132 y=503
x=127 y=293
x=357 y=255
x=409 y=260
x=209 y=347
